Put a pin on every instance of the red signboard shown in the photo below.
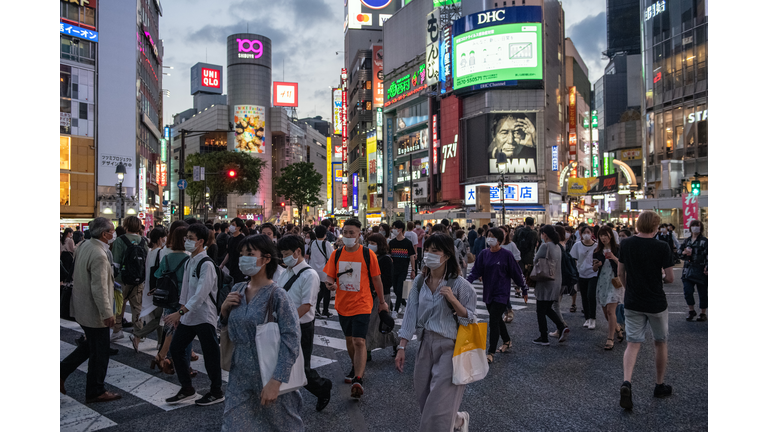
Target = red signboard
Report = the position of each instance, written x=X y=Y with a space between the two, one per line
x=450 y=113
x=163 y=179
x=210 y=78
x=285 y=94
x=690 y=209
x=378 y=76
x=571 y=109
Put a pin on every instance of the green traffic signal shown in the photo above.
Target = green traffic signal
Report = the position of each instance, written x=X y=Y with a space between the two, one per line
x=696 y=187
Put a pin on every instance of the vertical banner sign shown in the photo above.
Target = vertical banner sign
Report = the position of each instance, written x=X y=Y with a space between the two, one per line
x=378 y=76
x=336 y=111
x=435 y=141
x=572 y=143
x=354 y=191
x=344 y=121
x=690 y=209
x=390 y=165
x=142 y=186
x=447 y=50
x=433 y=52
x=379 y=123
x=370 y=150
x=329 y=174
x=554 y=158
x=157 y=172
x=163 y=175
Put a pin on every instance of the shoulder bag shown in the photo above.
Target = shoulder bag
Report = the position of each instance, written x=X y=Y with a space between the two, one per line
x=543 y=269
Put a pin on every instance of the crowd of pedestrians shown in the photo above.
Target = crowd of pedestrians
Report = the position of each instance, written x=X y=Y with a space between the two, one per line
x=222 y=282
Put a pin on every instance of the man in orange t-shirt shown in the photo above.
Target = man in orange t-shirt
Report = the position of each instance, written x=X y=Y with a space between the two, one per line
x=353 y=298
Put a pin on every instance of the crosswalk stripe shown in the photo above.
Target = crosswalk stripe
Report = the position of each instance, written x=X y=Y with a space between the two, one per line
x=76 y=417
x=133 y=381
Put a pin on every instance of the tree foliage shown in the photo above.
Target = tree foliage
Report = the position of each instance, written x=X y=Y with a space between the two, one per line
x=300 y=184
x=217 y=164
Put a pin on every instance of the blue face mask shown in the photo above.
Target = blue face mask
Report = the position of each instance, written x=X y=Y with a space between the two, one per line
x=289 y=261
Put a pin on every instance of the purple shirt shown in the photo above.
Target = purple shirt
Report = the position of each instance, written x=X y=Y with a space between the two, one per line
x=497 y=270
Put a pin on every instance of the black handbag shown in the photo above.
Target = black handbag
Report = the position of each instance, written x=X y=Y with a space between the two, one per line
x=694 y=273
x=66 y=296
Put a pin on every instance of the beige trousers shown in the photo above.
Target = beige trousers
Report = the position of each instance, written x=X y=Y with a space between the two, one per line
x=438 y=397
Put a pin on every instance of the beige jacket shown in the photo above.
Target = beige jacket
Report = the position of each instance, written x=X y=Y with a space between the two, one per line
x=93 y=292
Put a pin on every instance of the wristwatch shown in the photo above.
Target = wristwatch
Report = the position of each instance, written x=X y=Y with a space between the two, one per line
x=400 y=347
x=181 y=311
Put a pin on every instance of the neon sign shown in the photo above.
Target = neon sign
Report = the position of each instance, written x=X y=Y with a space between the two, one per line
x=245 y=46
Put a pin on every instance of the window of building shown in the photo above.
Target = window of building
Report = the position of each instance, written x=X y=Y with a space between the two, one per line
x=65 y=84
x=677 y=118
x=64 y=189
x=701 y=53
x=677 y=50
x=65 y=109
x=701 y=128
x=83 y=115
x=668 y=133
x=78 y=50
x=64 y=152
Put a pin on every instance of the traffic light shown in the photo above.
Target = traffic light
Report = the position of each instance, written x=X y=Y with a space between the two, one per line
x=231 y=173
x=696 y=187
x=173 y=209
x=282 y=204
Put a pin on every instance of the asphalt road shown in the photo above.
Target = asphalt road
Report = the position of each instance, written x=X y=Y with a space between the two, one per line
x=572 y=386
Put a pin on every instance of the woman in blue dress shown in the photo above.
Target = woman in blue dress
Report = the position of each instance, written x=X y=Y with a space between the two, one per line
x=251 y=404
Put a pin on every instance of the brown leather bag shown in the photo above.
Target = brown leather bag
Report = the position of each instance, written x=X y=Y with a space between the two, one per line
x=544 y=269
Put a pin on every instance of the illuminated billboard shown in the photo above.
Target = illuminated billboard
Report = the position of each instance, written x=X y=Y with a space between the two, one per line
x=285 y=94
x=514 y=193
x=499 y=46
x=206 y=78
x=368 y=14
x=370 y=144
x=249 y=128
x=336 y=95
x=510 y=139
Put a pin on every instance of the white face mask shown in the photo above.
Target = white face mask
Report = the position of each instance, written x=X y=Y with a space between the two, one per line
x=695 y=229
x=190 y=245
x=663 y=230
x=373 y=248
x=395 y=232
x=349 y=242
x=567 y=235
x=491 y=242
x=232 y=229
x=114 y=236
x=306 y=241
x=289 y=261
x=248 y=265
x=432 y=261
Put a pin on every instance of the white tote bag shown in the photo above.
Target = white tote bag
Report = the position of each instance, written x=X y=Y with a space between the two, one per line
x=268 y=345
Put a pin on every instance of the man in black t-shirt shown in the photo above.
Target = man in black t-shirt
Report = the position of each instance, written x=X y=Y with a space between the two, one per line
x=403 y=253
x=645 y=264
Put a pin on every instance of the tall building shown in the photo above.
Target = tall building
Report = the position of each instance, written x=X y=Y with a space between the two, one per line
x=130 y=107
x=674 y=111
x=79 y=39
x=623 y=31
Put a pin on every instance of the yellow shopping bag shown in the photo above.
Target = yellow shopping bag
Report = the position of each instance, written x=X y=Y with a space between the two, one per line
x=469 y=362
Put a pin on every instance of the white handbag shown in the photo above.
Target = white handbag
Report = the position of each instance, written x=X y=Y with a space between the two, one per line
x=268 y=345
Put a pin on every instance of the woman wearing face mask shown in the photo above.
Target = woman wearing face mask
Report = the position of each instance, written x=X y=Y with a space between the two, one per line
x=607 y=295
x=547 y=292
x=582 y=251
x=498 y=269
x=375 y=339
x=386 y=231
x=694 y=252
x=570 y=240
x=437 y=292
x=252 y=404
x=237 y=228
x=157 y=239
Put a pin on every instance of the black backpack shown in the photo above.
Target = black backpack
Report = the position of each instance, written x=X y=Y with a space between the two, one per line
x=152 y=270
x=66 y=266
x=568 y=270
x=132 y=269
x=366 y=258
x=224 y=283
x=167 y=290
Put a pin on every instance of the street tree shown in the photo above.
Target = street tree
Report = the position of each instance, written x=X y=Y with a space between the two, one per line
x=217 y=165
x=300 y=184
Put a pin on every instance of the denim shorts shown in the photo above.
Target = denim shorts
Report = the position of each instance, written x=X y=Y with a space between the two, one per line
x=637 y=323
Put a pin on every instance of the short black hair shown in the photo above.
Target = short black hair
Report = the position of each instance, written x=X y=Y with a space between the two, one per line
x=290 y=243
x=191 y=221
x=200 y=231
x=353 y=222
x=550 y=231
x=497 y=233
x=275 y=233
x=320 y=231
x=398 y=224
x=217 y=227
x=326 y=223
x=445 y=222
x=529 y=220
x=263 y=244
x=156 y=234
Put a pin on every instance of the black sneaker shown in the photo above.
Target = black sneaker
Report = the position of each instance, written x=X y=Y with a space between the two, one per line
x=209 y=399
x=323 y=400
x=127 y=324
x=691 y=316
x=626 y=396
x=357 y=387
x=662 y=390
x=541 y=341
x=180 y=397
x=350 y=376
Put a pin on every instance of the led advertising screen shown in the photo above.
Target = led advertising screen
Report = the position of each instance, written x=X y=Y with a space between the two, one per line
x=368 y=14
x=508 y=138
x=370 y=144
x=336 y=95
x=507 y=52
x=249 y=128
x=285 y=94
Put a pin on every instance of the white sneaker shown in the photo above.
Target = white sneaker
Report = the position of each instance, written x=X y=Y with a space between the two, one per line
x=586 y=324
x=591 y=324
x=555 y=334
x=465 y=425
x=116 y=336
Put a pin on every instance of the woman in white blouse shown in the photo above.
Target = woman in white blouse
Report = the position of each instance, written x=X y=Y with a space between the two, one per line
x=439 y=302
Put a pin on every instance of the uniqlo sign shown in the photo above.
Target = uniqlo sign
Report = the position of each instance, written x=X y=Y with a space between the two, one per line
x=210 y=78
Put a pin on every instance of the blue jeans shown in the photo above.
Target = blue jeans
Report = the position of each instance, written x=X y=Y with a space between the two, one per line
x=620 y=313
x=688 y=292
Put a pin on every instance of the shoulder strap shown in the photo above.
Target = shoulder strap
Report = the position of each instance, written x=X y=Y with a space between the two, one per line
x=125 y=240
x=293 y=279
x=322 y=250
x=186 y=258
x=200 y=264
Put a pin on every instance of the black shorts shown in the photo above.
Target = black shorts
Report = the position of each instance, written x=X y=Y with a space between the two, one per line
x=355 y=325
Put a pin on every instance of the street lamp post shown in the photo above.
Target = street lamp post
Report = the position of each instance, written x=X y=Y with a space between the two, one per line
x=501 y=163
x=120 y=171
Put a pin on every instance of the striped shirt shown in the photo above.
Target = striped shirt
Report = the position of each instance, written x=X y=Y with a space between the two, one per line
x=430 y=311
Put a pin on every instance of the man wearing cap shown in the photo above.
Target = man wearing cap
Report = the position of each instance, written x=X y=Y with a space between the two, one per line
x=302 y=285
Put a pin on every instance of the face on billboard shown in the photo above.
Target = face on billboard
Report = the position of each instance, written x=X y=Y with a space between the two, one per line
x=506 y=52
x=514 y=135
x=249 y=128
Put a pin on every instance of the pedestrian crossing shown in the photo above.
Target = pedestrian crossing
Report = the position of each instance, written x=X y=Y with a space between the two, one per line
x=154 y=387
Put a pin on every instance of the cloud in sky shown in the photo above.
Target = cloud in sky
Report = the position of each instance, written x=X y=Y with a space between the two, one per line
x=585 y=25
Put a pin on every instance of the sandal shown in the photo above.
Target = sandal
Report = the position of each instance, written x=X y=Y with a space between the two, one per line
x=489 y=357
x=608 y=345
x=509 y=316
x=167 y=367
x=620 y=335
x=505 y=347
x=157 y=361
x=573 y=308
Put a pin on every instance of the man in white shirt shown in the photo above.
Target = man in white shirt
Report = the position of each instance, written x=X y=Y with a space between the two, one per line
x=302 y=284
x=320 y=251
x=197 y=316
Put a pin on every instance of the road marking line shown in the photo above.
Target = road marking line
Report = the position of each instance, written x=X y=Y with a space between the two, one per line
x=133 y=381
x=76 y=417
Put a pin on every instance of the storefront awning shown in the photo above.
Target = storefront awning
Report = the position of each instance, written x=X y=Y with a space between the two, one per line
x=445 y=208
x=513 y=207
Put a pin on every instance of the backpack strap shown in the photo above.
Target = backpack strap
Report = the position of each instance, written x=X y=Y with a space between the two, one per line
x=197 y=272
x=322 y=251
x=366 y=258
x=184 y=261
x=294 y=278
